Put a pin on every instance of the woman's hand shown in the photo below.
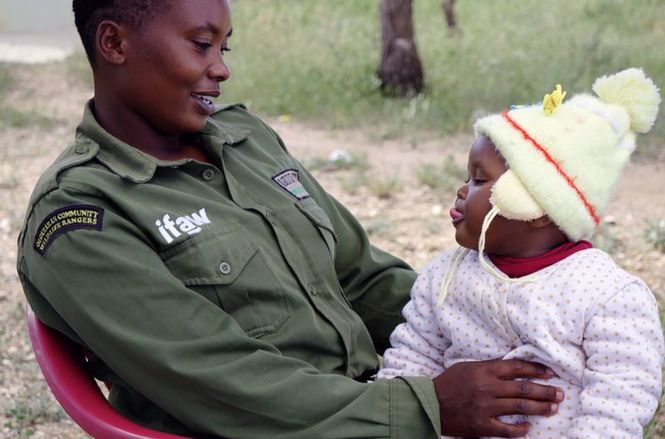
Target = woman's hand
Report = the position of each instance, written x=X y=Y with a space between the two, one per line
x=472 y=395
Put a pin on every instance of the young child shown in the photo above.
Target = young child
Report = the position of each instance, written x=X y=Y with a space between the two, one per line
x=525 y=284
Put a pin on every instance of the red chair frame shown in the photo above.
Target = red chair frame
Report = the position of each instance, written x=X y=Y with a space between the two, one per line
x=63 y=365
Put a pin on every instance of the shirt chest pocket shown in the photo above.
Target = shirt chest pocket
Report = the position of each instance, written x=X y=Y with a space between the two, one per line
x=229 y=269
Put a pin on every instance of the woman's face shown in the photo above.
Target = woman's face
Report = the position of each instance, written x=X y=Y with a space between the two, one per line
x=175 y=64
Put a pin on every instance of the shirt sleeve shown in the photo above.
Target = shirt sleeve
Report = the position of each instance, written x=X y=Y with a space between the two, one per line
x=622 y=383
x=418 y=345
x=187 y=355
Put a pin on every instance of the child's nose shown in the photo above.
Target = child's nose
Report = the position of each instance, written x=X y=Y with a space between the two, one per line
x=462 y=191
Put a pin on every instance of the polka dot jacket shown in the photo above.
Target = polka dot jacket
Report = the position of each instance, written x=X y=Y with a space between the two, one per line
x=594 y=324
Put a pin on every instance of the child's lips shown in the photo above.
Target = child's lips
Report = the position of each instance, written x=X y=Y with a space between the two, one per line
x=456 y=215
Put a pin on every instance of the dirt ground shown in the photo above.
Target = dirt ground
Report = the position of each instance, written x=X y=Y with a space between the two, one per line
x=412 y=221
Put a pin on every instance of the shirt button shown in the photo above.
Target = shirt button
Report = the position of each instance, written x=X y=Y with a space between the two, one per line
x=208 y=174
x=225 y=268
x=269 y=217
x=81 y=149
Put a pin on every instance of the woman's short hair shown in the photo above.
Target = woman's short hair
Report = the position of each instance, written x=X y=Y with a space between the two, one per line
x=89 y=13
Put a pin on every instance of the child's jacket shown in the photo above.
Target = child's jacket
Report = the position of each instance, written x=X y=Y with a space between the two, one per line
x=594 y=324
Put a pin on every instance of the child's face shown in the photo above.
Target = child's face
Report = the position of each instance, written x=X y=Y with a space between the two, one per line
x=175 y=64
x=485 y=166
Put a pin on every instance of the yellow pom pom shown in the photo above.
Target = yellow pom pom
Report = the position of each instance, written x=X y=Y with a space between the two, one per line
x=552 y=100
x=635 y=92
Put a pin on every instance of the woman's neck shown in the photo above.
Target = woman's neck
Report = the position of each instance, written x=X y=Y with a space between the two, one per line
x=138 y=133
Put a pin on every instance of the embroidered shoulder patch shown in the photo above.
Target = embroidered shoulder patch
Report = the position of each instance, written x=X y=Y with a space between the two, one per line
x=289 y=180
x=78 y=216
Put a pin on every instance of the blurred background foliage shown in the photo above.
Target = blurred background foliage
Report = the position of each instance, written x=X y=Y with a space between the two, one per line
x=317 y=60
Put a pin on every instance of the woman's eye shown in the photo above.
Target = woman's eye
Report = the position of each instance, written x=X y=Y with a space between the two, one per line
x=479 y=181
x=203 y=45
x=225 y=49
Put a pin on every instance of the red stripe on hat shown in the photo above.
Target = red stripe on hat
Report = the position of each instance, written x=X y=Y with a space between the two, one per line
x=556 y=165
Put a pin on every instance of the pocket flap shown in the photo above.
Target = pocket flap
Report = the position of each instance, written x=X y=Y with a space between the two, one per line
x=205 y=260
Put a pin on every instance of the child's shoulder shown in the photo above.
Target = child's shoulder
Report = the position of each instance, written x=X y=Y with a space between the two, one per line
x=590 y=262
x=595 y=267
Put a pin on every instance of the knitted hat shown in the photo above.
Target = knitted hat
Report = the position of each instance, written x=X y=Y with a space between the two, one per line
x=564 y=159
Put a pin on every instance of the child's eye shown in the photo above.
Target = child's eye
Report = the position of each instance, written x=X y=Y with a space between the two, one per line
x=479 y=181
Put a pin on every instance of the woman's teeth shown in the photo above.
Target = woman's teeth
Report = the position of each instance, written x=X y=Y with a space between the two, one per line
x=206 y=100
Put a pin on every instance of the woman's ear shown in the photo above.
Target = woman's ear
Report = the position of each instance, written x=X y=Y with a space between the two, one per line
x=110 y=42
x=541 y=222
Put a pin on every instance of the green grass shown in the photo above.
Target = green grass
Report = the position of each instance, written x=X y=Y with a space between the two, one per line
x=7 y=80
x=352 y=183
x=9 y=115
x=24 y=416
x=346 y=162
x=444 y=178
x=656 y=428
x=317 y=60
x=604 y=238
x=78 y=68
x=384 y=186
x=655 y=234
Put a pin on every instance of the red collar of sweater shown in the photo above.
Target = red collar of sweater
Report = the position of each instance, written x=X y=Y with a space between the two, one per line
x=518 y=267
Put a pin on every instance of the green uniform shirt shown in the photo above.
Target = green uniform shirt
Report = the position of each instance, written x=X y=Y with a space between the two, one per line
x=237 y=300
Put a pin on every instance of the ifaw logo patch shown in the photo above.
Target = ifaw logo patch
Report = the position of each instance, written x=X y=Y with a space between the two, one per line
x=66 y=219
x=190 y=224
x=289 y=180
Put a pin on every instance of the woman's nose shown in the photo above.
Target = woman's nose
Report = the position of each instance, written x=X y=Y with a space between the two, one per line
x=219 y=71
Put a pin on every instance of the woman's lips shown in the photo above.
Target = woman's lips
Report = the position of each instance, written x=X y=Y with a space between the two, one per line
x=456 y=215
x=204 y=103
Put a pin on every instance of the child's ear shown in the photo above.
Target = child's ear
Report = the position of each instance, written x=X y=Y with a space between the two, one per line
x=110 y=42
x=541 y=222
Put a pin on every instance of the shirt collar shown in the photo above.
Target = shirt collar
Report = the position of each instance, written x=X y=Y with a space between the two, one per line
x=217 y=128
x=136 y=166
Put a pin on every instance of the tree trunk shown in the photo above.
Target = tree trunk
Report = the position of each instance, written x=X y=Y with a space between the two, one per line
x=449 y=14
x=400 y=71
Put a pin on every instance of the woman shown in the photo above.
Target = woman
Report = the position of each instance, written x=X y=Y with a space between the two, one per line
x=221 y=289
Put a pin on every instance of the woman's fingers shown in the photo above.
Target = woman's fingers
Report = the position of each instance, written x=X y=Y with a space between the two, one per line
x=527 y=407
x=527 y=390
x=473 y=395
x=511 y=369
x=501 y=429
